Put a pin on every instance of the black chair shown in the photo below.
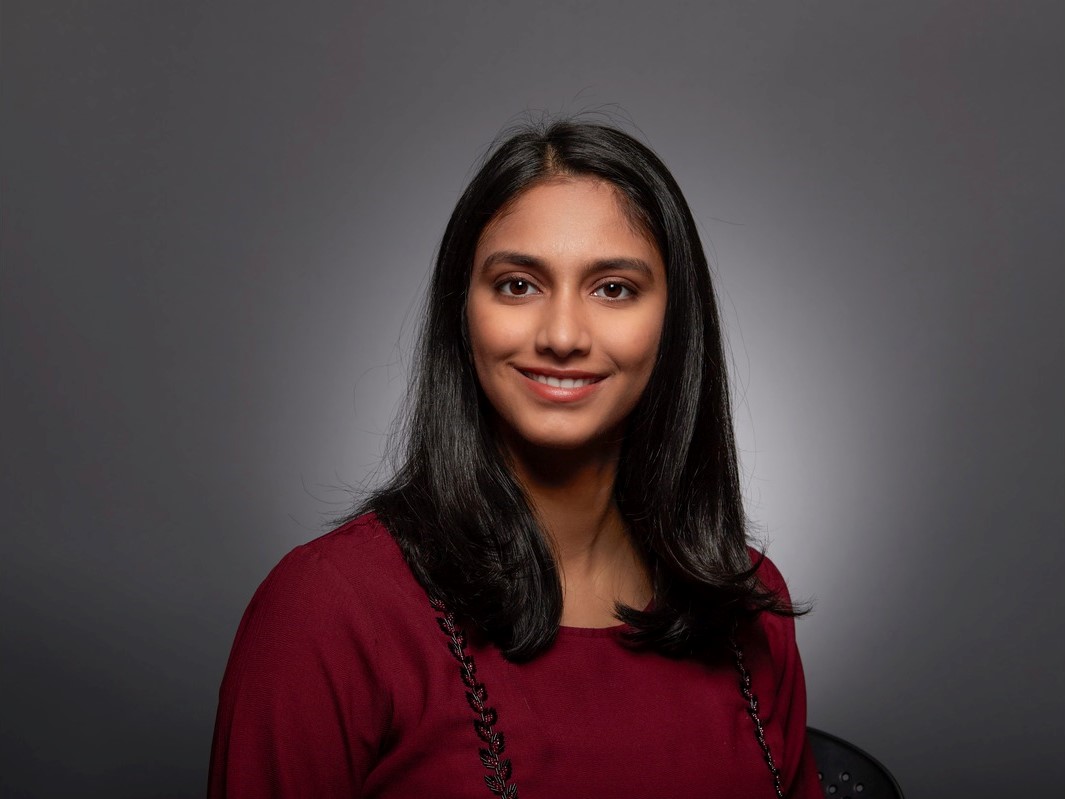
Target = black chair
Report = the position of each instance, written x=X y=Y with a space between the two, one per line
x=846 y=772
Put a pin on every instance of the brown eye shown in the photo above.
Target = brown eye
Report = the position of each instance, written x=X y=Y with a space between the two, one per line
x=516 y=287
x=614 y=291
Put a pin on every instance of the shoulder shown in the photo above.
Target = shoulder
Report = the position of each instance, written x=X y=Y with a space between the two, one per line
x=768 y=574
x=345 y=583
x=359 y=557
x=772 y=655
x=310 y=686
x=360 y=549
x=772 y=634
x=343 y=603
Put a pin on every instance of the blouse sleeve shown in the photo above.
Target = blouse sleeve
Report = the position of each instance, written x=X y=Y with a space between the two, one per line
x=302 y=709
x=798 y=777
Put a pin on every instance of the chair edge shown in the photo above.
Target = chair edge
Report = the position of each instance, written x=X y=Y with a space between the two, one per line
x=845 y=742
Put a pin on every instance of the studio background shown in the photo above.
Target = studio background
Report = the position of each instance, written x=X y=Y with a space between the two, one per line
x=217 y=224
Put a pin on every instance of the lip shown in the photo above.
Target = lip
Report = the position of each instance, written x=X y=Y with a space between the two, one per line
x=561 y=374
x=558 y=393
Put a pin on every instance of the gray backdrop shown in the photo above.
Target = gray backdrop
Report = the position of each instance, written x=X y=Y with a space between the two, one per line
x=218 y=220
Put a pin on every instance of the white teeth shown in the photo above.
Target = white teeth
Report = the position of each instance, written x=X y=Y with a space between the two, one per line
x=566 y=382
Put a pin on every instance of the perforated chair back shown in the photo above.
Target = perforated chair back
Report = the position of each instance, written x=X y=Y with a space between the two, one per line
x=847 y=772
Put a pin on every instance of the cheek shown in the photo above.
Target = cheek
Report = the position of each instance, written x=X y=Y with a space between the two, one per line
x=636 y=346
x=492 y=338
x=477 y=345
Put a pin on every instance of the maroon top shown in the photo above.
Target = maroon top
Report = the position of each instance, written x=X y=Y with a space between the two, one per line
x=341 y=684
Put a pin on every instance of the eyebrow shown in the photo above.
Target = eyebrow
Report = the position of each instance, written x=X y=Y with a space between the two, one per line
x=598 y=265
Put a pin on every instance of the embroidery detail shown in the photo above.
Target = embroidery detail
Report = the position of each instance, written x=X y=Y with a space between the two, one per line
x=752 y=711
x=477 y=699
x=484 y=725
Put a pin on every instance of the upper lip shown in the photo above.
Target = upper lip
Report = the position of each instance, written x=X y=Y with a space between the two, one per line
x=561 y=374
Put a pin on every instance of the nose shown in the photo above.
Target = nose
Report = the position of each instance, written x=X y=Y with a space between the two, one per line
x=564 y=329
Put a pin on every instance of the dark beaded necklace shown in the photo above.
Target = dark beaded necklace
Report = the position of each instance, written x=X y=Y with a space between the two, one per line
x=500 y=770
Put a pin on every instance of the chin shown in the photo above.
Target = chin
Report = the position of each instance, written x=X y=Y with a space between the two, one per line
x=563 y=440
x=561 y=444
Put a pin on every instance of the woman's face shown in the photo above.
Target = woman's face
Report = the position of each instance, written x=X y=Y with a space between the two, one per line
x=565 y=310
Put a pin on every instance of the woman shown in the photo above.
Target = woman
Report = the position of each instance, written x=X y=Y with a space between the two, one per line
x=553 y=596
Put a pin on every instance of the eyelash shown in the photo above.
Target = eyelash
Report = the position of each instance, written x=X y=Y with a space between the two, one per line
x=508 y=281
x=623 y=286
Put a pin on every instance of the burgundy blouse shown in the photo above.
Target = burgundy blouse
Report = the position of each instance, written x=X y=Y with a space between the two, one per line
x=341 y=683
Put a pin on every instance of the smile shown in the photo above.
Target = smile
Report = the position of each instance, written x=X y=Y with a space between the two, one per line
x=563 y=382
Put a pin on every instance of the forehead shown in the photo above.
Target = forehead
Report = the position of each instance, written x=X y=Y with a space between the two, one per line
x=569 y=214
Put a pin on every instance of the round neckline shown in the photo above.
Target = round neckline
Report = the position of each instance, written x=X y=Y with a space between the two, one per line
x=592 y=632
x=612 y=631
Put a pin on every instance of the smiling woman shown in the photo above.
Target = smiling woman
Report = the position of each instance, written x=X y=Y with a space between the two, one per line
x=565 y=313
x=562 y=556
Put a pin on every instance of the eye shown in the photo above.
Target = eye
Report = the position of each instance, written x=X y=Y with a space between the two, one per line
x=517 y=287
x=613 y=290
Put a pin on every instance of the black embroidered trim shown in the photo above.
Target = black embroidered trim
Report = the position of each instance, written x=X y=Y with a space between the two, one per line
x=752 y=711
x=484 y=725
x=477 y=698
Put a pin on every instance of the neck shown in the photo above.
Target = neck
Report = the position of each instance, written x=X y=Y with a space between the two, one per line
x=572 y=494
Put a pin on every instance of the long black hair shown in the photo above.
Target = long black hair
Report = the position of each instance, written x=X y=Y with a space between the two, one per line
x=458 y=513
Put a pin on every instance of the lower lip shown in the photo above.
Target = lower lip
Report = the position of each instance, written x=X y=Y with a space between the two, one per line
x=559 y=394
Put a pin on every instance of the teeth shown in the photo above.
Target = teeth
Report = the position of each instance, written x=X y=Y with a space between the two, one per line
x=566 y=382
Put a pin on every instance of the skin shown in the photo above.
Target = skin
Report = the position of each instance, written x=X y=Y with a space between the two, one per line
x=564 y=285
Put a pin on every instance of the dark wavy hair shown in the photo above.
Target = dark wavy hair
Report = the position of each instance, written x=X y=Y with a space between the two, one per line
x=458 y=513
